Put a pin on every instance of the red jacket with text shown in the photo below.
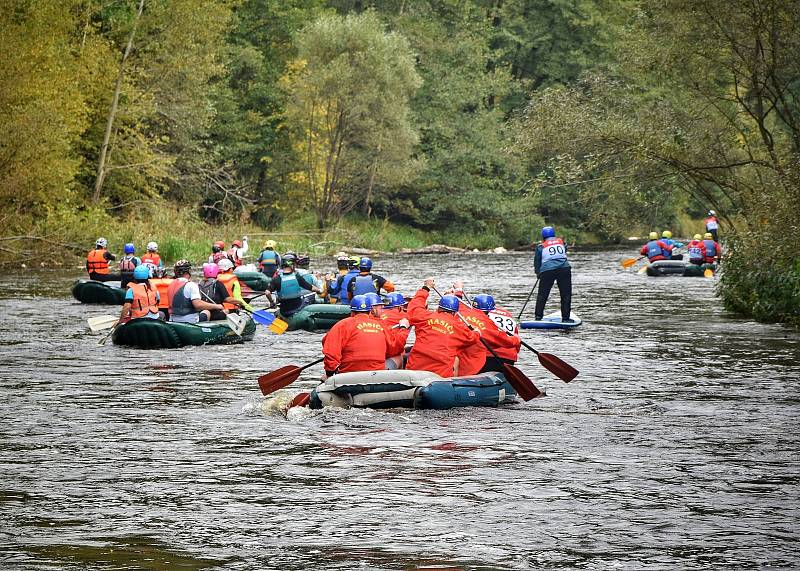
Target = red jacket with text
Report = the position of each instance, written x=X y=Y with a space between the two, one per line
x=504 y=344
x=360 y=343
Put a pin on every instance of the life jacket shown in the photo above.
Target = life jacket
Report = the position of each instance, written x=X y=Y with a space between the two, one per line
x=711 y=223
x=144 y=300
x=553 y=249
x=711 y=250
x=218 y=256
x=228 y=280
x=290 y=288
x=343 y=289
x=162 y=286
x=233 y=254
x=127 y=264
x=97 y=261
x=363 y=284
x=152 y=259
x=178 y=304
x=654 y=250
x=697 y=251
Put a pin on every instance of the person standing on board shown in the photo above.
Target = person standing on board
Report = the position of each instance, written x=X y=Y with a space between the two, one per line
x=98 y=260
x=551 y=266
x=712 y=225
x=656 y=249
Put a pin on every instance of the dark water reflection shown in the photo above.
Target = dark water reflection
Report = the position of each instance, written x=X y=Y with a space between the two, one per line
x=675 y=448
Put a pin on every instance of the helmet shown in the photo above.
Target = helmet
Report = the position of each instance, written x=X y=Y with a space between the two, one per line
x=270 y=244
x=220 y=244
x=666 y=234
x=210 y=270
x=395 y=299
x=101 y=243
x=182 y=267
x=290 y=255
x=697 y=237
x=483 y=301
x=303 y=260
x=374 y=299
x=548 y=232
x=160 y=272
x=224 y=264
x=365 y=264
x=215 y=249
x=129 y=249
x=708 y=236
x=287 y=262
x=237 y=243
x=141 y=272
x=712 y=213
x=152 y=246
x=654 y=235
x=360 y=304
x=342 y=262
x=449 y=303
x=354 y=261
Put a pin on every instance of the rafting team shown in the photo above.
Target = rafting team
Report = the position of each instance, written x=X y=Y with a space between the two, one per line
x=374 y=335
x=701 y=249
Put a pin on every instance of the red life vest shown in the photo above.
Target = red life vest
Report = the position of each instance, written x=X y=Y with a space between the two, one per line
x=711 y=223
x=145 y=300
x=218 y=256
x=233 y=254
x=697 y=250
x=97 y=263
x=126 y=265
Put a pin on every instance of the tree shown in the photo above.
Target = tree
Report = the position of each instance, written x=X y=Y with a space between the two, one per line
x=348 y=109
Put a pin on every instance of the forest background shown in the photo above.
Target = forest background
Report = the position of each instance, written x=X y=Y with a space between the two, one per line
x=398 y=123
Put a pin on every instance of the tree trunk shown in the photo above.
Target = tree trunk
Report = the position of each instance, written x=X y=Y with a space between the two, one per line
x=101 y=166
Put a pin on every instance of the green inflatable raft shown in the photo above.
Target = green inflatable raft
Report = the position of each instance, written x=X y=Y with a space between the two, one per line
x=253 y=279
x=154 y=334
x=317 y=317
x=695 y=271
x=90 y=291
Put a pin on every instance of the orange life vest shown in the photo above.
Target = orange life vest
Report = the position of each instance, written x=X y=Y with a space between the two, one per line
x=144 y=300
x=228 y=280
x=162 y=286
x=97 y=261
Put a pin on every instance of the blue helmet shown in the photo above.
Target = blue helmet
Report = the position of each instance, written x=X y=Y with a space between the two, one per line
x=365 y=264
x=360 y=304
x=449 y=303
x=129 y=249
x=141 y=272
x=374 y=299
x=548 y=232
x=395 y=299
x=483 y=301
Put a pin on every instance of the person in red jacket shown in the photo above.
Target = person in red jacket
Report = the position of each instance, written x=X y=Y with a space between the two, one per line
x=360 y=342
x=497 y=328
x=713 y=251
x=441 y=335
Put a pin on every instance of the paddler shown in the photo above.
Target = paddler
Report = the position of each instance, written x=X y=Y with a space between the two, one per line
x=394 y=311
x=239 y=249
x=289 y=286
x=440 y=334
x=231 y=283
x=666 y=237
x=127 y=264
x=185 y=303
x=713 y=249
x=269 y=260
x=360 y=342
x=302 y=263
x=498 y=328
x=213 y=290
x=161 y=283
x=338 y=287
x=152 y=259
x=366 y=282
x=656 y=249
x=712 y=225
x=217 y=252
x=98 y=260
x=141 y=299
x=551 y=266
x=697 y=250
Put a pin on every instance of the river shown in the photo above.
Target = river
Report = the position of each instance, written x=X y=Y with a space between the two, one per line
x=676 y=447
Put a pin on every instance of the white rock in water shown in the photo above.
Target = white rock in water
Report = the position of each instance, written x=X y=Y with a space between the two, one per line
x=634 y=238
x=499 y=250
x=476 y=251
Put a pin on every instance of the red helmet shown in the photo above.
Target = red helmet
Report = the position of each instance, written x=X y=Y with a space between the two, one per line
x=220 y=244
x=237 y=243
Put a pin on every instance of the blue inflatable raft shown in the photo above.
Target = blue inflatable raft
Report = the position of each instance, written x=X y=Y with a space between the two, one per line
x=411 y=389
x=552 y=321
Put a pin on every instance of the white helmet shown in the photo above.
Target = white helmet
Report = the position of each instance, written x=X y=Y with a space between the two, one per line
x=225 y=264
x=101 y=243
x=712 y=213
x=152 y=247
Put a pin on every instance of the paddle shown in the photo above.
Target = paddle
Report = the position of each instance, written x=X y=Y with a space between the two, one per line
x=628 y=262
x=643 y=269
x=102 y=322
x=236 y=323
x=282 y=377
x=529 y=298
x=559 y=368
x=708 y=273
x=264 y=317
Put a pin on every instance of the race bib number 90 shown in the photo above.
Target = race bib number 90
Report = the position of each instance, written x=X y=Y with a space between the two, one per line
x=504 y=322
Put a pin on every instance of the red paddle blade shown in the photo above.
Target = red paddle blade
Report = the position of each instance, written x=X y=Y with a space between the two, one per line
x=521 y=383
x=278 y=379
x=302 y=399
x=559 y=368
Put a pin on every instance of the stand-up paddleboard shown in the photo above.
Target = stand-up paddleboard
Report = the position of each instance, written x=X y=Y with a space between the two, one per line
x=552 y=321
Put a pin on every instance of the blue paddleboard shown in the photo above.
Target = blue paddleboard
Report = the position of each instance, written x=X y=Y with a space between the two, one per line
x=552 y=321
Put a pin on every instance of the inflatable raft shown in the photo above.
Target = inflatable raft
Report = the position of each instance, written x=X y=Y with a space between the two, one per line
x=552 y=321
x=666 y=268
x=252 y=278
x=411 y=389
x=317 y=317
x=90 y=291
x=155 y=334
x=695 y=271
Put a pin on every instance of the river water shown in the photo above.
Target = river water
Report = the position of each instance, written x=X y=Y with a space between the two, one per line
x=676 y=447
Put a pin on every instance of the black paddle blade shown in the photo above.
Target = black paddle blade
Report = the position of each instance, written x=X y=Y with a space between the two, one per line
x=559 y=368
x=278 y=379
x=521 y=383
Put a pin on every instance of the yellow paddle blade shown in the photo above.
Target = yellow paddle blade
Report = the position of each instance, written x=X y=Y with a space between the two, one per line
x=643 y=269
x=279 y=326
x=628 y=262
x=708 y=273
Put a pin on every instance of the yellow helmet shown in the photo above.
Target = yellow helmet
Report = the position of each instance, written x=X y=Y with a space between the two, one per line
x=708 y=236
x=270 y=244
x=697 y=237
x=654 y=235
x=666 y=234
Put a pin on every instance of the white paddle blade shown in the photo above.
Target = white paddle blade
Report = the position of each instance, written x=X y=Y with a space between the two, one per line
x=237 y=323
x=101 y=322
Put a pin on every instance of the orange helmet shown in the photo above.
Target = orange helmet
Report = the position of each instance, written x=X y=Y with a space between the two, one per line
x=237 y=243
